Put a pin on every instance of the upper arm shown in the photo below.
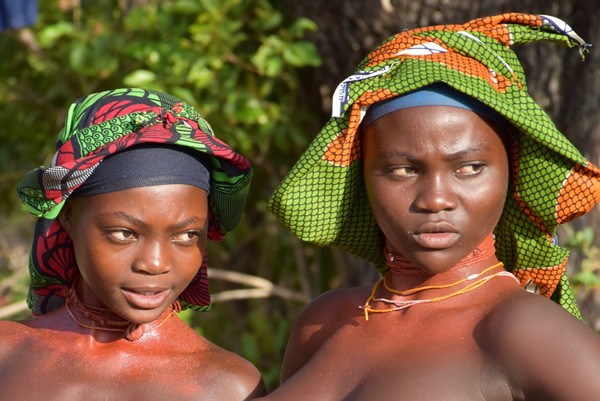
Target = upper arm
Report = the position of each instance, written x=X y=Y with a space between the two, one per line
x=548 y=354
x=300 y=348
x=310 y=331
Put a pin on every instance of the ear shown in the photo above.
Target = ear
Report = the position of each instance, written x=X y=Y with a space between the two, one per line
x=65 y=217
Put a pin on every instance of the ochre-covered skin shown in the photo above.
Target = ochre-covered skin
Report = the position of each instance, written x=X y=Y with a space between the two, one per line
x=52 y=358
x=136 y=250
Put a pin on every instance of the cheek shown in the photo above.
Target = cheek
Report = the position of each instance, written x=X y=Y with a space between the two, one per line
x=188 y=261
x=97 y=264
x=191 y=263
x=96 y=259
x=390 y=206
x=487 y=203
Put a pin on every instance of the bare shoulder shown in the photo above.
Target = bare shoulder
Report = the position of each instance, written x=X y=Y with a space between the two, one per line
x=232 y=377
x=14 y=337
x=221 y=374
x=14 y=332
x=549 y=353
x=324 y=316
x=527 y=315
x=327 y=312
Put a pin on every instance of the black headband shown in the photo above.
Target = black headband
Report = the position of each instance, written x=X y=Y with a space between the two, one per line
x=145 y=166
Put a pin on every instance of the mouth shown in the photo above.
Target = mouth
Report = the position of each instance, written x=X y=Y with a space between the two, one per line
x=436 y=236
x=146 y=298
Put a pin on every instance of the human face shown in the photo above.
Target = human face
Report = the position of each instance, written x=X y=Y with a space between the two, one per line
x=436 y=178
x=139 y=248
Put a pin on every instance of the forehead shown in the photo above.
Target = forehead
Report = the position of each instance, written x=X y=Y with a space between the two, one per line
x=164 y=200
x=433 y=128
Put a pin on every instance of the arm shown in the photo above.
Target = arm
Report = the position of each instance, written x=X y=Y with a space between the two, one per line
x=548 y=354
x=304 y=340
x=316 y=324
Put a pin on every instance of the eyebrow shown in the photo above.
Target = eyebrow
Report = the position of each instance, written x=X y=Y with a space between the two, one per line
x=449 y=156
x=134 y=220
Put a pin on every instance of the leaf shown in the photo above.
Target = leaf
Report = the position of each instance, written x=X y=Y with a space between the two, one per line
x=140 y=78
x=300 y=54
x=268 y=58
x=78 y=57
x=267 y=19
x=183 y=7
x=587 y=278
x=300 y=26
x=49 y=35
x=250 y=347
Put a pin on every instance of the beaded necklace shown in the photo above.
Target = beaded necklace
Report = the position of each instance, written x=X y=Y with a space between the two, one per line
x=437 y=287
x=399 y=305
x=103 y=319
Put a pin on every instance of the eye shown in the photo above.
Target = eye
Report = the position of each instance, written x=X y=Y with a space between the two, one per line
x=188 y=237
x=403 y=171
x=470 y=169
x=121 y=235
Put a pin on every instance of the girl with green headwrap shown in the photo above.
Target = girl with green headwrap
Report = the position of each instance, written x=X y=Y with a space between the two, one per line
x=440 y=169
x=137 y=186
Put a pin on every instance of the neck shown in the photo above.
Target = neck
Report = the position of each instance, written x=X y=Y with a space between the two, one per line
x=102 y=319
x=403 y=274
x=406 y=286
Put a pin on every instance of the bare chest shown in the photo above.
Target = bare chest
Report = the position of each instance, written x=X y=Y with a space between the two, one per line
x=38 y=371
x=428 y=374
x=419 y=359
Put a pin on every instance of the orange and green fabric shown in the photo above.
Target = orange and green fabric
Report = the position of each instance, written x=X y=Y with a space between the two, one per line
x=322 y=200
x=100 y=125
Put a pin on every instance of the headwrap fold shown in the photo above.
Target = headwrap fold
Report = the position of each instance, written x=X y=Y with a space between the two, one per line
x=437 y=94
x=323 y=200
x=100 y=125
x=145 y=166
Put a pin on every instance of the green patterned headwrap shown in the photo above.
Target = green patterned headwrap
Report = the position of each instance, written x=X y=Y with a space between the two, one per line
x=323 y=200
x=98 y=126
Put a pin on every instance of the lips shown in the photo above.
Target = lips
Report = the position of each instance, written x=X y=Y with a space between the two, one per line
x=146 y=298
x=438 y=235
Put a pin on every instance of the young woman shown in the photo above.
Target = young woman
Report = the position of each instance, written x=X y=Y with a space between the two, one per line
x=441 y=170
x=137 y=186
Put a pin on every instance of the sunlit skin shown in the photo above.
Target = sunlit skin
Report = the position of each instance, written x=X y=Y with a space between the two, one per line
x=137 y=250
x=437 y=179
x=134 y=259
x=438 y=194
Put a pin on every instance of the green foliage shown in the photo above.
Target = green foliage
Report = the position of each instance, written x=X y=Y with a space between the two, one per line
x=261 y=340
x=587 y=273
x=236 y=61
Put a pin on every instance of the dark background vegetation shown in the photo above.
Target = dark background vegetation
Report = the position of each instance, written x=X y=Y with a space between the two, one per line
x=262 y=73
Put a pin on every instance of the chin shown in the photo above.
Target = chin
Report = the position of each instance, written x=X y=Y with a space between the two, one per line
x=140 y=316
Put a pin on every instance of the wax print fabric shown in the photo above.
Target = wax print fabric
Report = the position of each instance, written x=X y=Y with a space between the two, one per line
x=323 y=201
x=100 y=125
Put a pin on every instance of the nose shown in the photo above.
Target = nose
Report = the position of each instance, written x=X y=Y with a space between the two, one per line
x=153 y=258
x=436 y=194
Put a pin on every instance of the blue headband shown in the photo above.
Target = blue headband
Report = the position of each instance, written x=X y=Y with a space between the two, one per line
x=145 y=166
x=433 y=95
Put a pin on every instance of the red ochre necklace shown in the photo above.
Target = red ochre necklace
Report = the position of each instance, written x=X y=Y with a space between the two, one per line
x=398 y=263
x=103 y=319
